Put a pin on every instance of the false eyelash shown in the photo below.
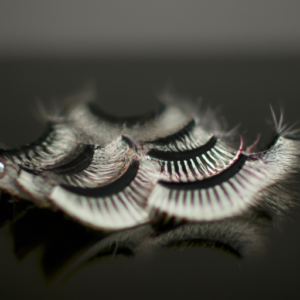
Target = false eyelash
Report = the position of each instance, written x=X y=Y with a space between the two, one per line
x=91 y=167
x=77 y=160
x=47 y=151
x=104 y=166
x=87 y=121
x=52 y=148
x=118 y=205
x=185 y=156
x=198 y=164
x=224 y=195
x=70 y=166
x=128 y=121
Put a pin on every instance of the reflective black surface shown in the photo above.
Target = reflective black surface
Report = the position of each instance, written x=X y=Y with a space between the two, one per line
x=39 y=244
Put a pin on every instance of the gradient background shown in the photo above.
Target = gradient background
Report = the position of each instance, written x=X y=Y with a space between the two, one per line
x=237 y=55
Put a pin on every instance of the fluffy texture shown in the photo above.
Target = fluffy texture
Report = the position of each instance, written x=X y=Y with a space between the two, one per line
x=116 y=173
x=172 y=178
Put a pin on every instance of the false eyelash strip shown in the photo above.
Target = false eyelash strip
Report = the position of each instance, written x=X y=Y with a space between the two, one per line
x=107 y=164
x=115 y=187
x=189 y=137
x=101 y=131
x=118 y=205
x=92 y=167
x=47 y=151
x=76 y=161
x=89 y=167
x=196 y=164
x=128 y=121
x=182 y=154
x=82 y=160
x=224 y=195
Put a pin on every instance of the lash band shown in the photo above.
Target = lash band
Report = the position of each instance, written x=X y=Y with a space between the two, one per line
x=211 y=181
x=187 y=154
x=129 y=121
x=112 y=188
x=69 y=166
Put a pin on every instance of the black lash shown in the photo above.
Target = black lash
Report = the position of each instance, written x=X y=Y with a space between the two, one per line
x=78 y=164
x=129 y=121
x=110 y=189
x=187 y=154
x=209 y=182
x=69 y=165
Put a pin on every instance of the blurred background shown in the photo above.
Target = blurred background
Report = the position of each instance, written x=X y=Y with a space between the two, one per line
x=142 y=28
x=239 y=56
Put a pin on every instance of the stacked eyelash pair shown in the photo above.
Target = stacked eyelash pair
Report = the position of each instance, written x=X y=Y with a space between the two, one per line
x=114 y=173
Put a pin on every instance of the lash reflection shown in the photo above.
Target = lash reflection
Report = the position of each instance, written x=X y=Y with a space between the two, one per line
x=67 y=245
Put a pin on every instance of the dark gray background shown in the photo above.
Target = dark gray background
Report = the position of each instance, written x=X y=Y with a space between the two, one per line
x=237 y=55
x=243 y=88
x=135 y=27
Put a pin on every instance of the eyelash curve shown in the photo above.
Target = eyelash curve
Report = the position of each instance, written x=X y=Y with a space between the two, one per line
x=192 y=158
